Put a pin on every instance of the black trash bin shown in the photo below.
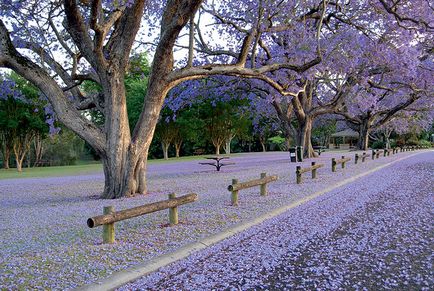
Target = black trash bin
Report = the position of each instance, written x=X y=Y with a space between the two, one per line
x=300 y=154
x=293 y=154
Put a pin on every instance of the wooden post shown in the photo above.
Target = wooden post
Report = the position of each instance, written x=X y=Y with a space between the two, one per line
x=263 y=187
x=108 y=230
x=234 y=197
x=373 y=154
x=173 y=211
x=333 y=165
x=363 y=157
x=298 y=174
x=385 y=153
x=356 y=158
x=343 y=163
x=313 y=171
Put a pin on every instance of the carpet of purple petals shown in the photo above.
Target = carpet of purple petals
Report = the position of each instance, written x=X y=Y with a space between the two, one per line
x=45 y=243
x=373 y=234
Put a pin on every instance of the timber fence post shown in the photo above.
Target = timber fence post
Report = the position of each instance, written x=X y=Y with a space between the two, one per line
x=333 y=165
x=313 y=171
x=263 y=187
x=356 y=158
x=343 y=163
x=108 y=230
x=173 y=211
x=298 y=174
x=234 y=197
x=373 y=154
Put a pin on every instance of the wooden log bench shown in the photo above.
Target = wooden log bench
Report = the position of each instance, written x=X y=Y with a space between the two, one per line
x=299 y=171
x=110 y=216
x=341 y=161
x=261 y=182
x=363 y=156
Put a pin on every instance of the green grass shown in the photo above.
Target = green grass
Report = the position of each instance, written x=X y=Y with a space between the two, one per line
x=82 y=168
x=51 y=171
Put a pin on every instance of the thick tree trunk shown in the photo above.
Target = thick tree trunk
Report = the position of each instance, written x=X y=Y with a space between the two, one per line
x=165 y=147
x=119 y=164
x=304 y=137
x=363 y=136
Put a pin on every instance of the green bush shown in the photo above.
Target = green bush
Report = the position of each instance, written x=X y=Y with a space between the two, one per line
x=423 y=142
x=279 y=141
x=63 y=149
x=412 y=142
x=378 y=145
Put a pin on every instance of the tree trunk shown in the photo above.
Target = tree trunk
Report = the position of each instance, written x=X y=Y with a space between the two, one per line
x=304 y=137
x=119 y=162
x=38 y=149
x=227 y=146
x=178 y=148
x=6 y=157
x=165 y=147
x=262 y=142
x=19 y=165
x=363 y=136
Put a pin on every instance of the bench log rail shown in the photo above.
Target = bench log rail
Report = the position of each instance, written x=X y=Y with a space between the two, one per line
x=299 y=171
x=110 y=216
x=262 y=182
x=341 y=161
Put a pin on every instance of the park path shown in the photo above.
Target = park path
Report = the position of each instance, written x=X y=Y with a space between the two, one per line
x=375 y=233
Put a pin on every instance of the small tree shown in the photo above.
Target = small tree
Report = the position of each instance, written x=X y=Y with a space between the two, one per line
x=21 y=118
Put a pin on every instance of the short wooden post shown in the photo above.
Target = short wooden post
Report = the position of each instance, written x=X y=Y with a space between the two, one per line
x=333 y=165
x=263 y=186
x=356 y=158
x=173 y=211
x=363 y=157
x=385 y=152
x=313 y=171
x=234 y=196
x=343 y=163
x=373 y=154
x=298 y=174
x=377 y=155
x=108 y=230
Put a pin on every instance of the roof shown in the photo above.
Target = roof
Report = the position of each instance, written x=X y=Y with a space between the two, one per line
x=346 y=133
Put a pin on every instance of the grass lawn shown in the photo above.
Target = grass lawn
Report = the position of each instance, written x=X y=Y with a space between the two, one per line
x=83 y=168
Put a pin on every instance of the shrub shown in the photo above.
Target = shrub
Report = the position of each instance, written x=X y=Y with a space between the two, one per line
x=423 y=142
x=378 y=145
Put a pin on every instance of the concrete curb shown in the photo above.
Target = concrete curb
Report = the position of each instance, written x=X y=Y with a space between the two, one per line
x=120 y=278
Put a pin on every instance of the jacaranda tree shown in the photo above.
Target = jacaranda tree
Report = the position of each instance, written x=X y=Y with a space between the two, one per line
x=58 y=44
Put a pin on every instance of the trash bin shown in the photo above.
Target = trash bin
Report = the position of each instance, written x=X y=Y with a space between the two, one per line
x=300 y=154
x=293 y=155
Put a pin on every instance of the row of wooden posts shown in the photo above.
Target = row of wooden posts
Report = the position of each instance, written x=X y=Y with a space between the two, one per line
x=110 y=216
